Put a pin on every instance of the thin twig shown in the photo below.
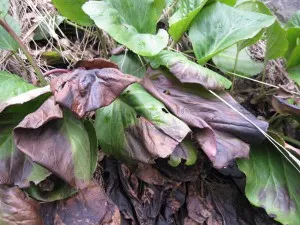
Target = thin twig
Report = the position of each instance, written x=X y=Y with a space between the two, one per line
x=234 y=70
x=22 y=64
x=37 y=70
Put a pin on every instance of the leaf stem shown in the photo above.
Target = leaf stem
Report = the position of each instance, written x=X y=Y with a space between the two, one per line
x=172 y=45
x=291 y=140
x=37 y=70
x=234 y=69
x=263 y=76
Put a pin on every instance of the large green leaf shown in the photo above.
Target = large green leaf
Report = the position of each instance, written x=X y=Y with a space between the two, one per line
x=183 y=16
x=6 y=40
x=225 y=61
x=4 y=7
x=228 y=2
x=272 y=183
x=292 y=55
x=130 y=63
x=61 y=138
x=294 y=20
x=252 y=6
x=136 y=126
x=72 y=9
x=277 y=43
x=189 y=72
x=219 y=26
x=12 y=85
x=294 y=73
x=131 y=23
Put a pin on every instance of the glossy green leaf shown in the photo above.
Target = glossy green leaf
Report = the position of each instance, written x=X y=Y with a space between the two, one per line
x=138 y=127
x=130 y=63
x=277 y=43
x=250 y=41
x=4 y=7
x=272 y=183
x=72 y=9
x=252 y=6
x=294 y=74
x=6 y=40
x=131 y=23
x=228 y=2
x=12 y=85
x=90 y=129
x=189 y=72
x=183 y=16
x=294 y=20
x=292 y=55
x=246 y=66
x=219 y=26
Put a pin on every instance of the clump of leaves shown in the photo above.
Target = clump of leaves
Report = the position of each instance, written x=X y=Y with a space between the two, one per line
x=152 y=104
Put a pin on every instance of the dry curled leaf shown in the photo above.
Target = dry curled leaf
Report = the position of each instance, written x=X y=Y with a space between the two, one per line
x=213 y=121
x=97 y=63
x=17 y=209
x=59 y=142
x=90 y=206
x=87 y=90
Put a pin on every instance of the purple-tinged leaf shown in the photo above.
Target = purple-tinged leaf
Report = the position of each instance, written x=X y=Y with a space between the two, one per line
x=214 y=121
x=87 y=90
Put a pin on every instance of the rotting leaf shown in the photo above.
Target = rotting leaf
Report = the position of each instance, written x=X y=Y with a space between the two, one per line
x=187 y=151
x=87 y=90
x=18 y=98
x=89 y=207
x=16 y=208
x=189 y=72
x=146 y=201
x=214 y=121
x=51 y=135
x=50 y=190
x=137 y=126
x=272 y=183
x=97 y=63
x=219 y=203
x=283 y=107
x=15 y=167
